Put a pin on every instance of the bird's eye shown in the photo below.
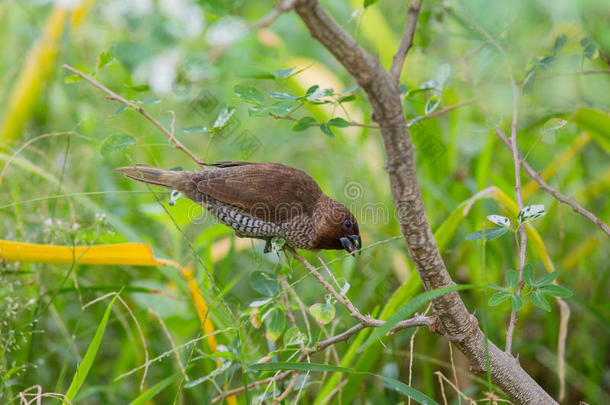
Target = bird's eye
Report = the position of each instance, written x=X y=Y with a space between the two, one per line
x=347 y=224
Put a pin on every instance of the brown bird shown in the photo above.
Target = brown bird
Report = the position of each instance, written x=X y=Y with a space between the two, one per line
x=263 y=201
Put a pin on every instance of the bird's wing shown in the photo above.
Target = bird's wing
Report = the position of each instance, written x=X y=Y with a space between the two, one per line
x=269 y=191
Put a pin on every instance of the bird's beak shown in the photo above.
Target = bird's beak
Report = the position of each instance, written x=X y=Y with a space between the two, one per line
x=351 y=244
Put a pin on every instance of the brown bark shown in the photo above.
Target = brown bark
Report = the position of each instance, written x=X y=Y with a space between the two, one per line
x=383 y=94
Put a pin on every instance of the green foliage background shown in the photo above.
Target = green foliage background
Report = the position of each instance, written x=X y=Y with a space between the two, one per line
x=67 y=178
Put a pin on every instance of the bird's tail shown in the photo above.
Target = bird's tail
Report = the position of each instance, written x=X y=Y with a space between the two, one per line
x=159 y=177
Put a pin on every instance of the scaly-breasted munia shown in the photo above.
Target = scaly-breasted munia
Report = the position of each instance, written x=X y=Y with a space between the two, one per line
x=263 y=201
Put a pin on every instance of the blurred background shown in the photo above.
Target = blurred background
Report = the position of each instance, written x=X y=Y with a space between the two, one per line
x=181 y=61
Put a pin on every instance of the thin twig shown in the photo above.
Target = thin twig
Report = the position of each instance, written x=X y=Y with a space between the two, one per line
x=407 y=40
x=564 y=316
x=560 y=197
x=113 y=96
x=441 y=111
x=513 y=138
x=317 y=124
x=281 y=7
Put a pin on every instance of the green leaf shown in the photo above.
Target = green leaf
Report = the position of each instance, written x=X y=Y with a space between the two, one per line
x=294 y=337
x=346 y=99
x=147 y=395
x=512 y=278
x=498 y=298
x=304 y=123
x=528 y=274
x=516 y=302
x=556 y=291
x=351 y=89
x=275 y=321
x=546 y=62
x=197 y=128
x=317 y=93
x=72 y=79
x=283 y=107
x=264 y=283
x=499 y=220
x=546 y=280
x=138 y=87
x=432 y=103
x=368 y=3
x=89 y=357
x=338 y=122
x=405 y=311
x=249 y=94
x=589 y=47
x=530 y=79
x=490 y=234
x=284 y=73
x=497 y=287
x=222 y=120
x=121 y=108
x=311 y=90
x=323 y=313
x=554 y=124
x=560 y=42
x=258 y=111
x=116 y=143
x=531 y=212
x=540 y=301
x=313 y=367
x=326 y=129
x=104 y=59
x=275 y=94
x=149 y=100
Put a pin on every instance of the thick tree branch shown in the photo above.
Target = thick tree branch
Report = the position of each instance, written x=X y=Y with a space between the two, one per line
x=559 y=196
x=407 y=40
x=383 y=94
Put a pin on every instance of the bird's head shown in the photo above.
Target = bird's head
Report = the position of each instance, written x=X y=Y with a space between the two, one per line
x=338 y=229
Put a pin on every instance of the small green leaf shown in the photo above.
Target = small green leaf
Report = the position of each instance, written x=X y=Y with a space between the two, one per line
x=432 y=103
x=224 y=115
x=528 y=274
x=249 y=94
x=499 y=220
x=264 y=283
x=516 y=302
x=138 y=87
x=316 y=95
x=121 y=108
x=351 y=89
x=560 y=41
x=512 y=278
x=530 y=79
x=497 y=287
x=149 y=100
x=530 y=213
x=546 y=280
x=554 y=124
x=338 y=122
x=116 y=143
x=104 y=59
x=368 y=3
x=275 y=322
x=72 y=79
x=304 y=123
x=346 y=99
x=197 y=128
x=275 y=94
x=498 y=298
x=283 y=107
x=284 y=73
x=540 y=301
x=589 y=47
x=311 y=90
x=294 y=337
x=546 y=63
x=489 y=234
x=326 y=129
x=323 y=313
x=258 y=111
x=556 y=291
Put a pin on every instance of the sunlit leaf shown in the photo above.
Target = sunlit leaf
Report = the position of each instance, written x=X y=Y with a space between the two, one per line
x=531 y=212
x=432 y=103
x=104 y=59
x=249 y=94
x=275 y=322
x=323 y=313
x=499 y=220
